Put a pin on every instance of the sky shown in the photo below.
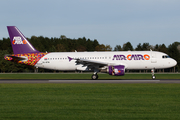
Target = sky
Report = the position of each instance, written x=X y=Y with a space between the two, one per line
x=111 y=22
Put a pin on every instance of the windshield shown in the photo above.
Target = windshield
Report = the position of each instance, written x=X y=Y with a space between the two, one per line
x=165 y=56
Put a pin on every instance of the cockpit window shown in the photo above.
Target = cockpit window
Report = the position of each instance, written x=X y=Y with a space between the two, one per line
x=165 y=56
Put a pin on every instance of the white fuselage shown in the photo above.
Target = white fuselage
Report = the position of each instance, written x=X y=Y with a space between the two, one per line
x=130 y=59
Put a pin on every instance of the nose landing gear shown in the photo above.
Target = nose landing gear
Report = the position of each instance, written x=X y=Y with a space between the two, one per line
x=153 y=76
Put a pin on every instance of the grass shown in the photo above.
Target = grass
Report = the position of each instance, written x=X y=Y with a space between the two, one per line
x=86 y=76
x=89 y=101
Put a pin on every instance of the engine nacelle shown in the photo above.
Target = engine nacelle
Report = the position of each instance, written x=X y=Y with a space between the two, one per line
x=117 y=70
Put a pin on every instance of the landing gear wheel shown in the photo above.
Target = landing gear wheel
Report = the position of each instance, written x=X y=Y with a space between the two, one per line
x=94 y=76
x=153 y=77
x=152 y=72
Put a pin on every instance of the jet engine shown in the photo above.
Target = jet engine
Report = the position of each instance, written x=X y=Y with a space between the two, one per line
x=115 y=70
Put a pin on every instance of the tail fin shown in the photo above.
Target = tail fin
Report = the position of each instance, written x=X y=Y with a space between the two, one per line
x=19 y=42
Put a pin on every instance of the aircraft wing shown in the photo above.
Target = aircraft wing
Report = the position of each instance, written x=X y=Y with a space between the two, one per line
x=86 y=62
x=91 y=63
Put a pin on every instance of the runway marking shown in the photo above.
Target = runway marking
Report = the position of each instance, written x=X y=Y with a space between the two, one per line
x=91 y=81
x=104 y=81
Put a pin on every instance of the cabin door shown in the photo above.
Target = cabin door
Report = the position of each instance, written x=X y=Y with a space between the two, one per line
x=153 y=57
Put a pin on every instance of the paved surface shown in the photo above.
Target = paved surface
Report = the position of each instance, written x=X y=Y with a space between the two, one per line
x=90 y=81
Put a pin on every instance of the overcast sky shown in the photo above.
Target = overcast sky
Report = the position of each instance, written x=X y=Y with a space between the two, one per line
x=111 y=22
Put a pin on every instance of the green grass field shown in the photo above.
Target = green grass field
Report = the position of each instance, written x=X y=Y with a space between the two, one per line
x=89 y=101
x=86 y=76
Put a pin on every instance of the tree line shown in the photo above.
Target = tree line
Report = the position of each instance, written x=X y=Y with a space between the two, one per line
x=64 y=44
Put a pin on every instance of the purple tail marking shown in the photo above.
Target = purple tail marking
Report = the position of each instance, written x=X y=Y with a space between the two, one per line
x=19 y=42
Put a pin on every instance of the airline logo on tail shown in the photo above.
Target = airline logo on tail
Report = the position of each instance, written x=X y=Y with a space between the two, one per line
x=18 y=40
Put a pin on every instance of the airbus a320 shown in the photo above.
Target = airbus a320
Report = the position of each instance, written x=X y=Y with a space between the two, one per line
x=113 y=63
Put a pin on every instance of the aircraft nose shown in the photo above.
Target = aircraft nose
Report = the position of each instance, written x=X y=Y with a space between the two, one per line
x=174 y=62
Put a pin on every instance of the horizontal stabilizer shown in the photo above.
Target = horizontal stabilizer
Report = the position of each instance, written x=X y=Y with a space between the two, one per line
x=15 y=58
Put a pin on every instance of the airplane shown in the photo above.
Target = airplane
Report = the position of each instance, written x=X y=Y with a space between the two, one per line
x=113 y=63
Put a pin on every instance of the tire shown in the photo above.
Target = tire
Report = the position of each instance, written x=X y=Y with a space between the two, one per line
x=94 y=77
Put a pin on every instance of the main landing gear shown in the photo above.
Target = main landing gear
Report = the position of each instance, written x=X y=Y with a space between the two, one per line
x=153 y=76
x=94 y=76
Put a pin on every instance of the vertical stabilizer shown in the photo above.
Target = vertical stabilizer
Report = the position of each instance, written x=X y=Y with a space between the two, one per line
x=19 y=42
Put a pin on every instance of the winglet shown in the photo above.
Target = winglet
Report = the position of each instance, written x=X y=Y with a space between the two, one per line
x=70 y=58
